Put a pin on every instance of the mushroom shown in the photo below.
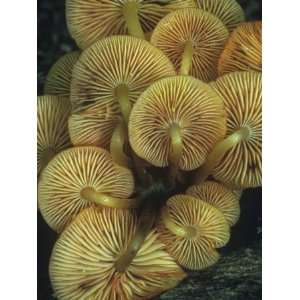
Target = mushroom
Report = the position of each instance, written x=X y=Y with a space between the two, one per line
x=193 y=40
x=91 y=20
x=228 y=11
x=220 y=197
x=58 y=79
x=192 y=229
x=52 y=128
x=82 y=264
x=236 y=160
x=107 y=80
x=81 y=177
x=242 y=51
x=177 y=122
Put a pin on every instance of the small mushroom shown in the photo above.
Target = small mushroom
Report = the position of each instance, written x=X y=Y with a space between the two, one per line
x=242 y=51
x=236 y=160
x=193 y=40
x=107 y=80
x=191 y=229
x=91 y=20
x=81 y=177
x=220 y=197
x=228 y=11
x=177 y=122
x=58 y=79
x=52 y=128
x=82 y=264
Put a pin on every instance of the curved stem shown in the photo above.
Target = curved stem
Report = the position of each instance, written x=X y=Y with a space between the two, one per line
x=182 y=231
x=187 y=59
x=219 y=151
x=130 y=13
x=122 y=95
x=90 y=194
x=175 y=152
x=146 y=221
x=46 y=156
x=117 y=143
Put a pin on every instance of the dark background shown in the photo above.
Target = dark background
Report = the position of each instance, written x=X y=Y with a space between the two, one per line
x=53 y=42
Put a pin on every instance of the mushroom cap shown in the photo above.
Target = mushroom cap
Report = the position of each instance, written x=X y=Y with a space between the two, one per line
x=52 y=126
x=206 y=32
x=83 y=258
x=99 y=71
x=58 y=79
x=220 y=197
x=91 y=20
x=242 y=95
x=61 y=183
x=228 y=11
x=186 y=102
x=242 y=51
x=212 y=232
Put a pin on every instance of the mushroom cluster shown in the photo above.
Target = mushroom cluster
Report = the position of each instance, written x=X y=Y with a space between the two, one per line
x=147 y=136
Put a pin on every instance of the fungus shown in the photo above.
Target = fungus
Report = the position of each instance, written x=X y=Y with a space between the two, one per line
x=52 y=128
x=191 y=229
x=236 y=160
x=193 y=40
x=81 y=177
x=107 y=80
x=58 y=80
x=176 y=122
x=82 y=264
x=228 y=11
x=90 y=20
x=242 y=51
x=220 y=197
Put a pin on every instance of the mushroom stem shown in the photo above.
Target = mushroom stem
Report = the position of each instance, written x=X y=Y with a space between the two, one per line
x=187 y=59
x=46 y=156
x=175 y=151
x=90 y=194
x=218 y=153
x=122 y=95
x=117 y=143
x=146 y=222
x=182 y=231
x=130 y=13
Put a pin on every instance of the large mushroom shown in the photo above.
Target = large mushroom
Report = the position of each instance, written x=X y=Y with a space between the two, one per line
x=52 y=128
x=236 y=160
x=81 y=177
x=107 y=80
x=228 y=11
x=91 y=20
x=242 y=51
x=193 y=39
x=58 y=80
x=82 y=264
x=219 y=196
x=192 y=229
x=176 y=122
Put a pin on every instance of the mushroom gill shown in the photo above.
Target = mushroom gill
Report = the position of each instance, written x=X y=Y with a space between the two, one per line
x=81 y=177
x=177 y=120
x=242 y=51
x=91 y=20
x=220 y=197
x=58 y=79
x=52 y=128
x=228 y=11
x=191 y=229
x=236 y=160
x=82 y=264
x=193 y=39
